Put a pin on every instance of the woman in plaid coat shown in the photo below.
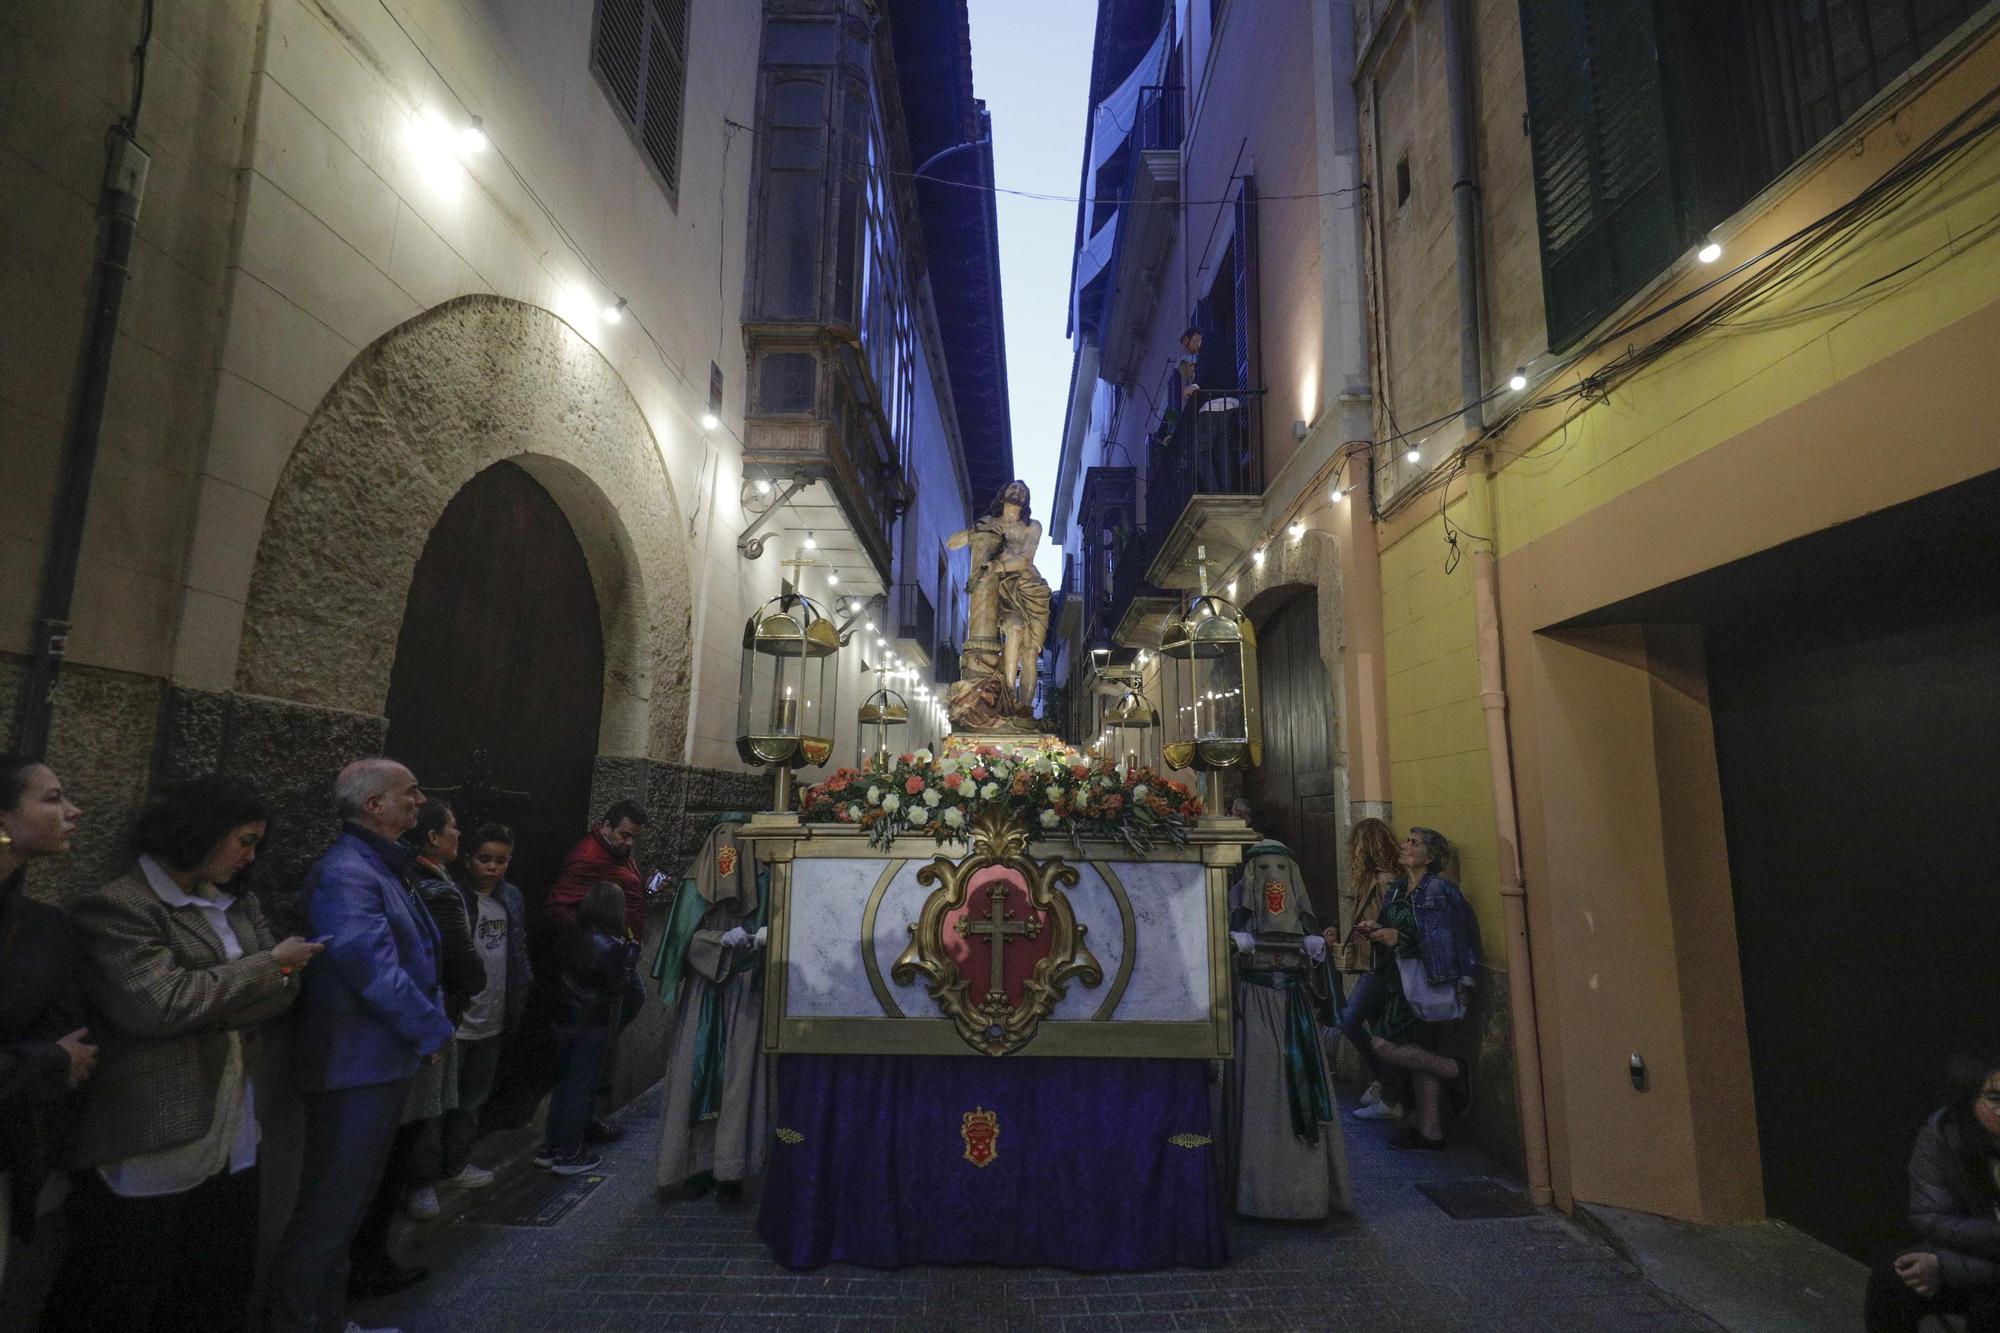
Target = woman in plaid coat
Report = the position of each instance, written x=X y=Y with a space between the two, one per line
x=180 y=960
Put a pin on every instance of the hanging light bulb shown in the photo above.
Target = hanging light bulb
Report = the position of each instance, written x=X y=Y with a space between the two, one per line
x=763 y=486
x=1257 y=557
x=833 y=579
x=1415 y=454
x=1518 y=380
x=472 y=139
x=1296 y=530
x=812 y=544
x=1711 y=250
x=615 y=312
x=710 y=421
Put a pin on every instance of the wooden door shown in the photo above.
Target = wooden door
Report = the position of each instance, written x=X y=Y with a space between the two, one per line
x=497 y=686
x=1292 y=794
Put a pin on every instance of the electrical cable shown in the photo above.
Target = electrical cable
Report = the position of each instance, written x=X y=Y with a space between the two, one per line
x=128 y=125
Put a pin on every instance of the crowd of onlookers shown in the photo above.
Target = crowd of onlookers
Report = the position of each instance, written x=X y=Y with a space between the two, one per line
x=227 y=1122
x=157 y=1041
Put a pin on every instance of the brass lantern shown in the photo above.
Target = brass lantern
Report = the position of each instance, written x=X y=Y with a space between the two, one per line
x=884 y=725
x=1208 y=674
x=1130 y=724
x=784 y=707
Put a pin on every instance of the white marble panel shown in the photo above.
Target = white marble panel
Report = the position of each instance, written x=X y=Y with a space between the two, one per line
x=1169 y=900
x=1104 y=932
x=826 y=976
x=901 y=906
x=1169 y=982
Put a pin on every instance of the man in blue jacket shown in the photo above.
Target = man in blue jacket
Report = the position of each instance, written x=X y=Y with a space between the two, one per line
x=368 y=1014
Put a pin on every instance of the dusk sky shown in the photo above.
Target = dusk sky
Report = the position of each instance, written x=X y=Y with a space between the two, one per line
x=1031 y=62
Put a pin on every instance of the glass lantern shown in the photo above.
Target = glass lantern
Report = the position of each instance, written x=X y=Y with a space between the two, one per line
x=1130 y=725
x=784 y=707
x=885 y=726
x=1208 y=677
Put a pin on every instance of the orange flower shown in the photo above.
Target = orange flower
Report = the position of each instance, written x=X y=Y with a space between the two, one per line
x=914 y=785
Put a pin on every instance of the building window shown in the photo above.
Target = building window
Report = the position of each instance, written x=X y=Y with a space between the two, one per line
x=639 y=52
x=1654 y=120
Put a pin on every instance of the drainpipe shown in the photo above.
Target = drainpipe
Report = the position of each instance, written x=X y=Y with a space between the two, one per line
x=1486 y=618
x=118 y=210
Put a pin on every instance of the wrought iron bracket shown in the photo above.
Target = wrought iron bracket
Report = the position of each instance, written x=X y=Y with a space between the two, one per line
x=750 y=545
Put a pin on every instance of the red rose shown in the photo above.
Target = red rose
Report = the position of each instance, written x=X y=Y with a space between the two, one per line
x=979 y=773
x=952 y=780
x=1114 y=801
x=906 y=759
x=1079 y=770
x=914 y=785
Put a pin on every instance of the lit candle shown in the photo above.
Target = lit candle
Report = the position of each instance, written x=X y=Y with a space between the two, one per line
x=785 y=714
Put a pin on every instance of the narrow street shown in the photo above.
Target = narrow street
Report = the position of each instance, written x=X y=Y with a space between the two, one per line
x=620 y=1260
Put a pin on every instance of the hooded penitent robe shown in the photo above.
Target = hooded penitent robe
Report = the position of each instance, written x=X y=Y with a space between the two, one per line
x=1286 y=1153
x=716 y=1117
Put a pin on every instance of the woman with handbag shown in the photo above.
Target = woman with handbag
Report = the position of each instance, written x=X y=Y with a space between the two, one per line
x=1422 y=970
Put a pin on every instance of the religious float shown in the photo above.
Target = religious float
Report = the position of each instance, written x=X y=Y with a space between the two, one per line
x=998 y=976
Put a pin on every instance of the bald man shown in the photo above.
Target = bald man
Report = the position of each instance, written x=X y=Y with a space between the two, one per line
x=369 y=1013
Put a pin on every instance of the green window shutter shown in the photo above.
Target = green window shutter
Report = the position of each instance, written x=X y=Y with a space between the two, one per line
x=1603 y=160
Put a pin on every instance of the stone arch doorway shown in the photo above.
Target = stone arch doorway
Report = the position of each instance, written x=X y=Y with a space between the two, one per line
x=1295 y=794
x=496 y=691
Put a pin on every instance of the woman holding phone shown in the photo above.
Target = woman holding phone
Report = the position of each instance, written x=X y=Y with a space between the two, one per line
x=178 y=957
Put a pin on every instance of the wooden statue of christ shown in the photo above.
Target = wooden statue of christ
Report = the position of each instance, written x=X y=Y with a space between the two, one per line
x=1007 y=617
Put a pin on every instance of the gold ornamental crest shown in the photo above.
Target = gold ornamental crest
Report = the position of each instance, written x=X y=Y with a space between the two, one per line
x=997 y=940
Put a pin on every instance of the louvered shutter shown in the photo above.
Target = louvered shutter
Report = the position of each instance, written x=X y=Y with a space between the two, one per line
x=618 y=50
x=1245 y=276
x=1604 y=181
x=640 y=51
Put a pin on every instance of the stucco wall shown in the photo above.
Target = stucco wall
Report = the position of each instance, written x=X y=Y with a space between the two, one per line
x=66 y=75
x=354 y=223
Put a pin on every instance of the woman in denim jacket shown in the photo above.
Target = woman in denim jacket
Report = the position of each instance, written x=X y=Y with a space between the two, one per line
x=1429 y=923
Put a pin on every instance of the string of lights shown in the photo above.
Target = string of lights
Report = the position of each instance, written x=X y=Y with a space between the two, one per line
x=1743 y=288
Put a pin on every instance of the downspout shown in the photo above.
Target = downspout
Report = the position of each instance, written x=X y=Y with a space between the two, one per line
x=118 y=211
x=1486 y=618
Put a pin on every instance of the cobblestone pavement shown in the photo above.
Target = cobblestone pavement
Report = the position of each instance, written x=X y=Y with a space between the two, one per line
x=622 y=1260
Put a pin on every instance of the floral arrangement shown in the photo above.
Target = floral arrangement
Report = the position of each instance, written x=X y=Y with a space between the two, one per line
x=1052 y=789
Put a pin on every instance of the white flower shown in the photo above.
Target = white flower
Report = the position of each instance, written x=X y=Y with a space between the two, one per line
x=954 y=817
x=947 y=766
x=922 y=756
x=989 y=791
x=1053 y=792
x=1000 y=772
x=1141 y=792
x=931 y=797
x=854 y=813
x=1049 y=819
x=874 y=796
x=892 y=803
x=919 y=816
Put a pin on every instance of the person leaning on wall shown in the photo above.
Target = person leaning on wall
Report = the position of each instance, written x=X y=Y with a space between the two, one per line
x=46 y=1050
x=163 y=1220
x=1429 y=957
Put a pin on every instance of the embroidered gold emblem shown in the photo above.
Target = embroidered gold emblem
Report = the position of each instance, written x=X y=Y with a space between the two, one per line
x=1190 y=1140
x=725 y=861
x=789 y=1135
x=980 y=1128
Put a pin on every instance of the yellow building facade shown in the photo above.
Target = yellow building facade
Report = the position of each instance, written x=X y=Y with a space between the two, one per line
x=1642 y=497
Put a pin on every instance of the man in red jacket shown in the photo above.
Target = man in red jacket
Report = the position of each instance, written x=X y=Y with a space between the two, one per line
x=604 y=854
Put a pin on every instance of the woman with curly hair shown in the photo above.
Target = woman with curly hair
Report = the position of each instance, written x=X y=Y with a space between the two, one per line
x=1372 y=868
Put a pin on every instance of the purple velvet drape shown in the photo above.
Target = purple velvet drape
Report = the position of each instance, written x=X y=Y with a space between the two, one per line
x=868 y=1165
